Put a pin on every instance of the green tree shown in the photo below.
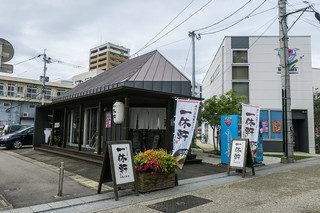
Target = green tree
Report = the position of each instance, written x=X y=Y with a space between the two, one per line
x=213 y=108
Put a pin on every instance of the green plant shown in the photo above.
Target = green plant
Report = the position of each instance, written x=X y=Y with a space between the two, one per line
x=151 y=160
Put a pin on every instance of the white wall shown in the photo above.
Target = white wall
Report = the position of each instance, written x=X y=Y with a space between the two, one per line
x=264 y=81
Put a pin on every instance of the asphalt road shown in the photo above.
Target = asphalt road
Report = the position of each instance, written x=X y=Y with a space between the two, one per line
x=24 y=184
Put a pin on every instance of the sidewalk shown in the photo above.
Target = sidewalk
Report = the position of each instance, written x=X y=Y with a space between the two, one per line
x=226 y=193
x=204 y=186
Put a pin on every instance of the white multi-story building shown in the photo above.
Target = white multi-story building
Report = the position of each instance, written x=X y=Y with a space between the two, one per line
x=250 y=66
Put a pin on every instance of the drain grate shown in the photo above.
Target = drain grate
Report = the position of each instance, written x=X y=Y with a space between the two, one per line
x=179 y=204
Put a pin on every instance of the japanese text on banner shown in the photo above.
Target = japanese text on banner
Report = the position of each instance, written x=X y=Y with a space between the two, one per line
x=250 y=125
x=185 y=121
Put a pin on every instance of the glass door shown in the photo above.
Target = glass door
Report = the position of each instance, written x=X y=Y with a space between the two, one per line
x=90 y=128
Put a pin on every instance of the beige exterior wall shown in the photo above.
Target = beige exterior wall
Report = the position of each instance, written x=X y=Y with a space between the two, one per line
x=20 y=90
x=106 y=56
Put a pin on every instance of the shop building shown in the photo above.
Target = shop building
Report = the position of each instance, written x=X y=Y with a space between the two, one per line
x=84 y=117
x=250 y=66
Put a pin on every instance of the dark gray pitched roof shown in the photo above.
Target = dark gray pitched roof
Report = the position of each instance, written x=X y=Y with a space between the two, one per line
x=150 y=71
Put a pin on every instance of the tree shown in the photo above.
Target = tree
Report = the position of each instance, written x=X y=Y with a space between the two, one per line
x=213 y=108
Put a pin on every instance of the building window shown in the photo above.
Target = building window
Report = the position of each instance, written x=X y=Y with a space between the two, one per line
x=20 y=90
x=6 y=104
x=240 y=56
x=1 y=89
x=11 y=89
x=241 y=89
x=240 y=73
x=60 y=92
x=31 y=92
x=47 y=94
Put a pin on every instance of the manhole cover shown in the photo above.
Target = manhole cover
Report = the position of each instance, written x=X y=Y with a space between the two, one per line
x=179 y=204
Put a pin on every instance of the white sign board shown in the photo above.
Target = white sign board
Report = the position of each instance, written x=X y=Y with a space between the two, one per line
x=122 y=160
x=237 y=153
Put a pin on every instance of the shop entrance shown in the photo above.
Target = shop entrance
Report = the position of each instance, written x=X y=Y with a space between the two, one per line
x=300 y=130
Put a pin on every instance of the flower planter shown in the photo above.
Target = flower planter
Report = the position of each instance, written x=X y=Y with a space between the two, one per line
x=147 y=182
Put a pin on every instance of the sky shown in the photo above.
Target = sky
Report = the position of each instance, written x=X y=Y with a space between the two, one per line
x=68 y=29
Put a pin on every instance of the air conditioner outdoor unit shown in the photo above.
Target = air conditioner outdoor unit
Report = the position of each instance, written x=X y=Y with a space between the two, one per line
x=25 y=114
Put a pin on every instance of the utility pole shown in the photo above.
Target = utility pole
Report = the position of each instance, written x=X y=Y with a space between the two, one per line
x=193 y=35
x=44 y=78
x=285 y=84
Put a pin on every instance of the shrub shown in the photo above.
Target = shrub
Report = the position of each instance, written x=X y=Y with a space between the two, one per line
x=154 y=161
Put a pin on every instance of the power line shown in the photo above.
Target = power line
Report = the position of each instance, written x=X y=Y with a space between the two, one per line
x=187 y=56
x=223 y=18
x=235 y=22
x=27 y=60
x=164 y=28
x=69 y=64
x=178 y=24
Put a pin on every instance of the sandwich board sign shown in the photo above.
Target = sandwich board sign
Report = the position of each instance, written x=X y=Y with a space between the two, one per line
x=240 y=156
x=120 y=156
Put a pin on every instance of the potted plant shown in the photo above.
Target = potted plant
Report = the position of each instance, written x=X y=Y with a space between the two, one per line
x=155 y=169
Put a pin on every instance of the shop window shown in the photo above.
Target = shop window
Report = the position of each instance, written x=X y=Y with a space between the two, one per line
x=240 y=56
x=241 y=89
x=276 y=124
x=264 y=120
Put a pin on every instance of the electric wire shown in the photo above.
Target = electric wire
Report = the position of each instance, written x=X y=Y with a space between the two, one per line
x=255 y=14
x=203 y=28
x=209 y=33
x=26 y=60
x=164 y=27
x=178 y=25
x=187 y=56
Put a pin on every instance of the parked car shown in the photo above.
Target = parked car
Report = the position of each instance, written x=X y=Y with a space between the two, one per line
x=2 y=129
x=17 y=139
x=14 y=127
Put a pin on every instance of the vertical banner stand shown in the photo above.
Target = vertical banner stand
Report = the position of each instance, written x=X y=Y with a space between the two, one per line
x=240 y=156
x=120 y=157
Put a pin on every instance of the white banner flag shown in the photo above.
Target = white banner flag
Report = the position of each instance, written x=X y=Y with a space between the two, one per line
x=185 y=121
x=250 y=125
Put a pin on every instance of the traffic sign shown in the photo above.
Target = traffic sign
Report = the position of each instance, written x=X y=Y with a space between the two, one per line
x=7 y=68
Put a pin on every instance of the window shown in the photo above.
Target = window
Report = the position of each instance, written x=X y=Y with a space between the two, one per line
x=47 y=94
x=240 y=72
x=1 y=89
x=60 y=92
x=31 y=92
x=240 y=81
x=6 y=104
x=240 y=56
x=11 y=89
x=20 y=90
x=241 y=89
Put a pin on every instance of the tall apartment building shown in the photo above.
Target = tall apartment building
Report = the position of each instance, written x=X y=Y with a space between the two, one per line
x=19 y=98
x=107 y=55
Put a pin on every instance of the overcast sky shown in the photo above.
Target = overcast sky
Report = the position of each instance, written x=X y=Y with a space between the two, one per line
x=68 y=29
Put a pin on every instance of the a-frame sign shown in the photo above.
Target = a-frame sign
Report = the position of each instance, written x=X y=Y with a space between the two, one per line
x=118 y=162
x=240 y=156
